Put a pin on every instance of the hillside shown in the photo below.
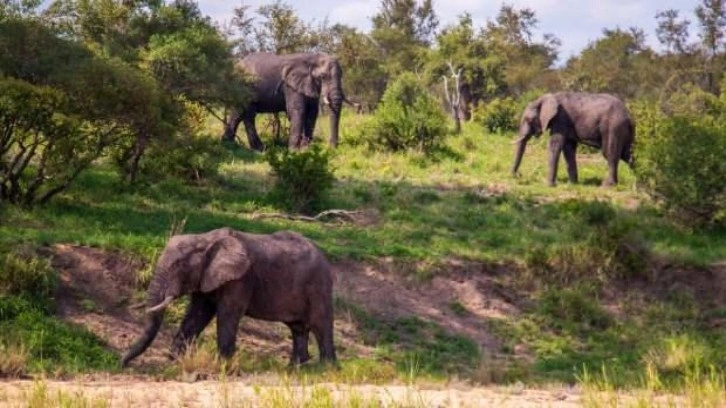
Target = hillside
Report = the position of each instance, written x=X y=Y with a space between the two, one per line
x=449 y=268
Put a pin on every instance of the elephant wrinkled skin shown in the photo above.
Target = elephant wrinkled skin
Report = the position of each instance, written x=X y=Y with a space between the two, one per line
x=597 y=120
x=293 y=83
x=277 y=277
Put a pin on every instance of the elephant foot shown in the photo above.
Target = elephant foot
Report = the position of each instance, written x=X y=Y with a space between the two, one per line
x=608 y=183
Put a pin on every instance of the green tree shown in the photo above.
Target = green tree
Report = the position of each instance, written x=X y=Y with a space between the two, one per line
x=404 y=29
x=527 y=63
x=281 y=31
x=618 y=63
x=711 y=15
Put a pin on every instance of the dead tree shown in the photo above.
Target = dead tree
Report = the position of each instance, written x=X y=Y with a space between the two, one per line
x=454 y=98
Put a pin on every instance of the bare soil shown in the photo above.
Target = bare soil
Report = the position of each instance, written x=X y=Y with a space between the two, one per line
x=242 y=394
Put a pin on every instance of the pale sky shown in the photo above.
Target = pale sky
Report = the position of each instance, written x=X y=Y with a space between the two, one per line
x=575 y=22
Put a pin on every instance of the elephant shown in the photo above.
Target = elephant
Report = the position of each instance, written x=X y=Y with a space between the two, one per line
x=275 y=277
x=293 y=83
x=598 y=120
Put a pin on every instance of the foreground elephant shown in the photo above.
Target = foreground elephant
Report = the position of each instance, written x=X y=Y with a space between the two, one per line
x=293 y=83
x=597 y=120
x=278 y=277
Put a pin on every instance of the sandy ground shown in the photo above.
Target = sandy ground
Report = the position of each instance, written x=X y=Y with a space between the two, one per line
x=119 y=393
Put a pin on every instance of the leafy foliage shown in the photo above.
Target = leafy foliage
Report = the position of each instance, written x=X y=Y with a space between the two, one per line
x=303 y=177
x=407 y=118
x=681 y=160
x=499 y=115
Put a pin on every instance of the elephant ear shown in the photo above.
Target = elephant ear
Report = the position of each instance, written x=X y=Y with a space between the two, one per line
x=227 y=259
x=299 y=76
x=547 y=111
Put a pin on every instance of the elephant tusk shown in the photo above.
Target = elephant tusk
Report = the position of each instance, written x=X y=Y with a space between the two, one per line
x=326 y=100
x=161 y=305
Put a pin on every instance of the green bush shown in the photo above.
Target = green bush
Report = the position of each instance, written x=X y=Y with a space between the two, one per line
x=681 y=161
x=408 y=117
x=24 y=273
x=303 y=177
x=190 y=157
x=498 y=116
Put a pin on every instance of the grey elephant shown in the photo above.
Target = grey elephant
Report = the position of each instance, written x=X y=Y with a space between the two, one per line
x=278 y=277
x=293 y=83
x=597 y=120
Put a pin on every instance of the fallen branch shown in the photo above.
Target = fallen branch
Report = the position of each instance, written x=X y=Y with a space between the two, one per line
x=345 y=214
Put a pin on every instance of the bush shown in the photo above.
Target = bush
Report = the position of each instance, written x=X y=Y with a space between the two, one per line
x=498 y=116
x=303 y=177
x=24 y=273
x=408 y=117
x=189 y=157
x=681 y=162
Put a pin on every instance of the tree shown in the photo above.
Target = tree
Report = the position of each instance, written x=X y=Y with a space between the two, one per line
x=525 y=61
x=618 y=63
x=364 y=77
x=281 y=31
x=481 y=72
x=671 y=33
x=711 y=16
x=403 y=30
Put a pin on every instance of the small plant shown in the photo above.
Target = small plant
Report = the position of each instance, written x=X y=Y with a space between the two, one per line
x=498 y=116
x=22 y=272
x=303 y=177
x=409 y=117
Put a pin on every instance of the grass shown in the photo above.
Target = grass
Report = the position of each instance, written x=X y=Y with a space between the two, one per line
x=565 y=246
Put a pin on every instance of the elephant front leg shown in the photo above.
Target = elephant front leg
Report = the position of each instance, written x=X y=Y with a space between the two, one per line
x=555 y=148
x=310 y=116
x=300 y=338
x=200 y=311
x=569 y=151
x=232 y=302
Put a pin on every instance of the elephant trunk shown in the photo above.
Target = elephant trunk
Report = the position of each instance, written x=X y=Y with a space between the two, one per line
x=156 y=303
x=335 y=99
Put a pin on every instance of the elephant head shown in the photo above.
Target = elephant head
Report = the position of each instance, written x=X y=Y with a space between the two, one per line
x=315 y=76
x=537 y=117
x=189 y=263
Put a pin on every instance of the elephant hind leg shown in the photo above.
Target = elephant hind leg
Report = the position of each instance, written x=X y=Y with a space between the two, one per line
x=300 y=335
x=321 y=324
x=248 y=118
x=199 y=313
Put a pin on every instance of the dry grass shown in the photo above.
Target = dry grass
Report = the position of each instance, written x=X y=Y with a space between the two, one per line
x=13 y=360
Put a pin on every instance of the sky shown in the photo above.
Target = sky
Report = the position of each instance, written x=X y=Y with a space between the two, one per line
x=576 y=22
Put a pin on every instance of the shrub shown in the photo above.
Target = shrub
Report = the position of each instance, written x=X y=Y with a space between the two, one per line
x=498 y=116
x=681 y=162
x=22 y=273
x=303 y=177
x=190 y=157
x=408 y=117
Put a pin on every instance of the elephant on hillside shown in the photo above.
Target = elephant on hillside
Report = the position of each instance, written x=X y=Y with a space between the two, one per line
x=278 y=277
x=292 y=83
x=598 y=120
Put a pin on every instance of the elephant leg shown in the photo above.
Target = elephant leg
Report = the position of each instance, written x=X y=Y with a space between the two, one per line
x=311 y=116
x=321 y=324
x=248 y=118
x=300 y=334
x=232 y=302
x=230 y=127
x=200 y=311
x=555 y=148
x=569 y=150
x=612 y=178
x=295 y=104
